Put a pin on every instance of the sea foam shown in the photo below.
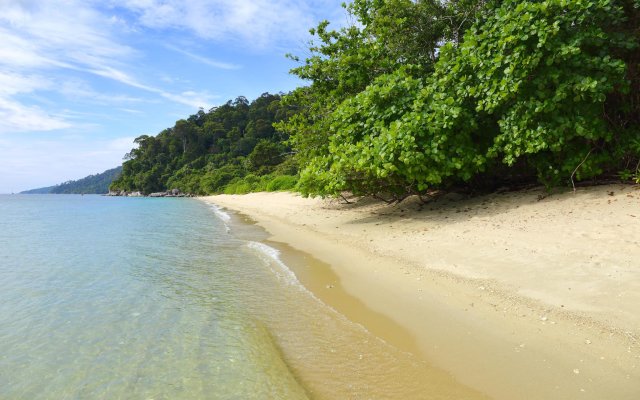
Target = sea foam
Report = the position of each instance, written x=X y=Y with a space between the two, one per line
x=272 y=256
x=222 y=215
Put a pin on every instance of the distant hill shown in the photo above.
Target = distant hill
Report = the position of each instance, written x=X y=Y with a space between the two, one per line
x=44 y=190
x=92 y=184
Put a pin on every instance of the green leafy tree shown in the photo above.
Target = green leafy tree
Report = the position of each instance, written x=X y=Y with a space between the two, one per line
x=533 y=88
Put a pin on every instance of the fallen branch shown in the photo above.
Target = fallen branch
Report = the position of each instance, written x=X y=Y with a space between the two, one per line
x=575 y=170
x=377 y=197
x=345 y=199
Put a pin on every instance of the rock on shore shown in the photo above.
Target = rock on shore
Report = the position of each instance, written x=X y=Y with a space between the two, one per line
x=168 y=193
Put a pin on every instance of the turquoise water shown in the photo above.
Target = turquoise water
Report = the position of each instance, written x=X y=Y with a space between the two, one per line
x=129 y=298
x=139 y=298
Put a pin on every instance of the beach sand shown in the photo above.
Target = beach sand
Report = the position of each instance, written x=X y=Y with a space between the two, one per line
x=518 y=295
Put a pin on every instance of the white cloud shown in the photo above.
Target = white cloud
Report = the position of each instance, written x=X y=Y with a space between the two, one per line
x=131 y=111
x=46 y=34
x=45 y=37
x=119 y=145
x=67 y=30
x=119 y=76
x=16 y=117
x=13 y=83
x=205 y=60
x=188 y=98
x=253 y=23
x=191 y=98
x=38 y=37
x=80 y=89
x=21 y=52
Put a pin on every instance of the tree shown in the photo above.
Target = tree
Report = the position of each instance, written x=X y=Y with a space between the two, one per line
x=541 y=87
x=206 y=151
x=266 y=154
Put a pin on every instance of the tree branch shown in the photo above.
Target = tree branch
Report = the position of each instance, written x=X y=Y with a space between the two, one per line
x=575 y=170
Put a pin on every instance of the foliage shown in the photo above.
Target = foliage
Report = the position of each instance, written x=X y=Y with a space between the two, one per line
x=402 y=102
x=555 y=64
x=281 y=182
x=265 y=183
x=92 y=184
x=417 y=95
x=388 y=35
x=209 y=151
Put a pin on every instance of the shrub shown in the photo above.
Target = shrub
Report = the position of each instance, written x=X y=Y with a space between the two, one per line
x=282 y=182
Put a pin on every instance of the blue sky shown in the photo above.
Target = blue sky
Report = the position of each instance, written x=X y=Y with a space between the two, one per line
x=80 y=79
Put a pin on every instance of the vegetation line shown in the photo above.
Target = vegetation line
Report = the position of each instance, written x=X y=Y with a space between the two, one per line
x=420 y=96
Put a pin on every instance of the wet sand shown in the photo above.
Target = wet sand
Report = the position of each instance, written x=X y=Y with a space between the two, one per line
x=517 y=295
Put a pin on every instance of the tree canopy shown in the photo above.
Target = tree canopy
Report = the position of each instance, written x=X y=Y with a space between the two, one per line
x=420 y=95
x=233 y=146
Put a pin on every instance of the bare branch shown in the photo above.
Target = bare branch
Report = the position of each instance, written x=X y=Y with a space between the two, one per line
x=575 y=170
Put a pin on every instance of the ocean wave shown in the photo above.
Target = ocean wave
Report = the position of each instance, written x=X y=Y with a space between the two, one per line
x=272 y=256
x=222 y=215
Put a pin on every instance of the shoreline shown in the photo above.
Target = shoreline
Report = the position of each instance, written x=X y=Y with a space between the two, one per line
x=476 y=283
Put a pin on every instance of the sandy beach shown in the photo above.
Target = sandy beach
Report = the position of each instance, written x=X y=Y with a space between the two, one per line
x=518 y=295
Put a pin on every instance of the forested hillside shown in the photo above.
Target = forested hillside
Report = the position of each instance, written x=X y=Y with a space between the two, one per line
x=92 y=184
x=425 y=95
x=42 y=190
x=234 y=147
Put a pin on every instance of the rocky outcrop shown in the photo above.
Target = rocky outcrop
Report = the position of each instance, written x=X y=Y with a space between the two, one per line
x=168 y=193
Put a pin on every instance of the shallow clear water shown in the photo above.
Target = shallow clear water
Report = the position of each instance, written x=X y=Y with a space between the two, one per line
x=135 y=298
x=139 y=298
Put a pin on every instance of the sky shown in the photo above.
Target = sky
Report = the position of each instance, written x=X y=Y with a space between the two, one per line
x=80 y=79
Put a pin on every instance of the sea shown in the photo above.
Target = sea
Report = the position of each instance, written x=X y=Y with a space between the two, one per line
x=173 y=298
